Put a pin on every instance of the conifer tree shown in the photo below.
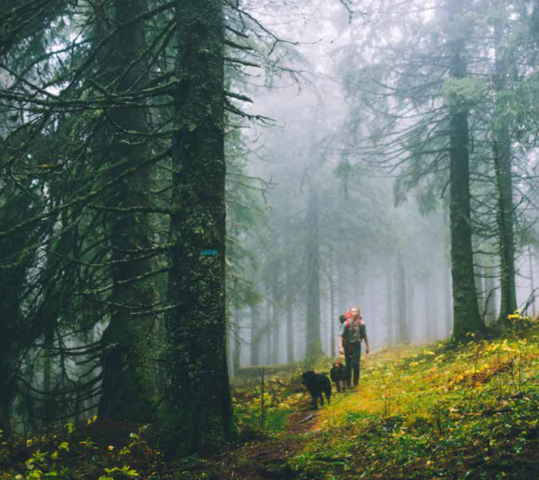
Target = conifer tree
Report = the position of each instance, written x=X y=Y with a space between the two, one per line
x=465 y=307
x=199 y=407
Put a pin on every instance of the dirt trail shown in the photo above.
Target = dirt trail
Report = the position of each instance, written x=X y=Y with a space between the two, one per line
x=267 y=459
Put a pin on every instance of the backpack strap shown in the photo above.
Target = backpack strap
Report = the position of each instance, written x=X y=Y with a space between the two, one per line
x=359 y=323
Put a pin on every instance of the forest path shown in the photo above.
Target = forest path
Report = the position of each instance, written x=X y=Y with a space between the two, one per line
x=268 y=459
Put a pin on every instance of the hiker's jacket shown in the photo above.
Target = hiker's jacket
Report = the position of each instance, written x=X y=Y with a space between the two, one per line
x=353 y=332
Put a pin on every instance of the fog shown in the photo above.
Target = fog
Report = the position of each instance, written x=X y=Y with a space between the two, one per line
x=189 y=183
x=353 y=214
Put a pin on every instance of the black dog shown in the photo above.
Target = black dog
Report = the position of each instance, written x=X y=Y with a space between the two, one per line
x=317 y=384
x=338 y=376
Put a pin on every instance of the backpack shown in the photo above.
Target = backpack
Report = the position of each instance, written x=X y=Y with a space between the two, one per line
x=348 y=323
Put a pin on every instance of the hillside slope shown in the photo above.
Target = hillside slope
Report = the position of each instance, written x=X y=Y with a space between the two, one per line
x=435 y=412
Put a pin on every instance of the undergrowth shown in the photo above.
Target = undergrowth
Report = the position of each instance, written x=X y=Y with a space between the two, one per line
x=107 y=450
x=466 y=411
x=104 y=451
x=261 y=411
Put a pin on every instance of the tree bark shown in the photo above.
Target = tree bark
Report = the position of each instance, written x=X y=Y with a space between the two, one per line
x=532 y=280
x=11 y=328
x=127 y=385
x=503 y=163
x=9 y=357
x=255 y=336
x=47 y=360
x=390 y=317
x=448 y=310
x=480 y=286
x=268 y=330
x=466 y=317
x=236 y=358
x=16 y=332
x=430 y=313
x=289 y=306
x=275 y=303
x=198 y=400
x=410 y=303
x=402 y=314
x=47 y=409
x=490 y=292
x=332 y=318
x=314 y=345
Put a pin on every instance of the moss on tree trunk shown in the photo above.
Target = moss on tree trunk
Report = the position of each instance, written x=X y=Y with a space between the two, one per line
x=466 y=317
x=198 y=416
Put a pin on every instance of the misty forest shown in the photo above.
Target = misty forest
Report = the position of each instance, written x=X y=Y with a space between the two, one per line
x=249 y=239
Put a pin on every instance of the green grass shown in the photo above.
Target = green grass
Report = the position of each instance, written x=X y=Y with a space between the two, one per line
x=435 y=412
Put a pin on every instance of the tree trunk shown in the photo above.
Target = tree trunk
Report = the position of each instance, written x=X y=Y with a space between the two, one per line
x=11 y=348
x=431 y=316
x=268 y=330
x=490 y=292
x=465 y=310
x=314 y=345
x=47 y=407
x=198 y=401
x=410 y=303
x=332 y=318
x=47 y=360
x=289 y=306
x=480 y=287
x=402 y=308
x=436 y=313
x=532 y=280
x=340 y=288
x=390 y=317
x=503 y=163
x=255 y=336
x=236 y=359
x=448 y=310
x=15 y=334
x=275 y=310
x=8 y=375
x=127 y=386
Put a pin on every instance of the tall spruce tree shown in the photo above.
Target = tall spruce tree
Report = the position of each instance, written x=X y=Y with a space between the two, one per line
x=466 y=316
x=127 y=391
x=503 y=168
x=198 y=400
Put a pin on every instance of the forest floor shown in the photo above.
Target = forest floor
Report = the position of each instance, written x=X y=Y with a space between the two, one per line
x=420 y=412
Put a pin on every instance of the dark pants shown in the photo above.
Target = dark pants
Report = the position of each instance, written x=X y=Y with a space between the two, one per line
x=352 y=355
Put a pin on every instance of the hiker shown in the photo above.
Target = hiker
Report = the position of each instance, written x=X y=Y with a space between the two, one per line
x=352 y=333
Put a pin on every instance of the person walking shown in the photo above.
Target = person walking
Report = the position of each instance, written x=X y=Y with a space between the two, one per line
x=353 y=332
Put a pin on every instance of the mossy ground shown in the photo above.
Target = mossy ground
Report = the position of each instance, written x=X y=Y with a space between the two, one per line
x=421 y=412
